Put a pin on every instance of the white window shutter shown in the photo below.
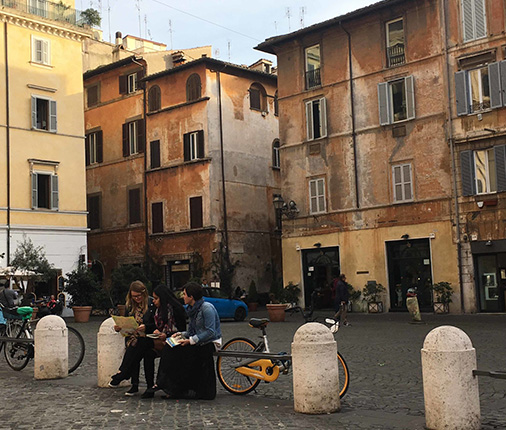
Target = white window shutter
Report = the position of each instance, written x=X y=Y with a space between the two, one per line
x=34 y=112
x=410 y=96
x=54 y=192
x=467 y=20
x=45 y=52
x=323 y=116
x=52 y=115
x=34 y=190
x=384 y=114
x=461 y=97
x=309 y=120
x=480 y=19
x=494 y=82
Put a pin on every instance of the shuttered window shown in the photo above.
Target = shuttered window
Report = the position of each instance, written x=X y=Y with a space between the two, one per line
x=474 y=21
x=43 y=114
x=41 y=51
x=92 y=96
x=193 y=88
x=94 y=202
x=155 y=154
x=196 y=216
x=402 y=183
x=316 y=118
x=317 y=196
x=44 y=191
x=257 y=97
x=134 y=206
x=154 y=99
x=193 y=145
x=94 y=147
x=133 y=138
x=276 y=161
x=483 y=171
x=157 y=217
x=396 y=100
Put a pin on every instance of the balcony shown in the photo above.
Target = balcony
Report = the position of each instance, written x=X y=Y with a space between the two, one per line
x=313 y=79
x=396 y=55
x=46 y=9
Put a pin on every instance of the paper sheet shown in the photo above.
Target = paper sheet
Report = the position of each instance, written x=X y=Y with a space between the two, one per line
x=128 y=325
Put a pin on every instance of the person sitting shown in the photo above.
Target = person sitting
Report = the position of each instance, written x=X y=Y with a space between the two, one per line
x=141 y=307
x=187 y=370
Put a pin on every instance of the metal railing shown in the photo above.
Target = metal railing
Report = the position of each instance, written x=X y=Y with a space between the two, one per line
x=48 y=10
x=313 y=78
x=396 y=55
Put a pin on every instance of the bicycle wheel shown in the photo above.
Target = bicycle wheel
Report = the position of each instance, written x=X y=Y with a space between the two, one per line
x=344 y=375
x=76 y=348
x=17 y=354
x=232 y=380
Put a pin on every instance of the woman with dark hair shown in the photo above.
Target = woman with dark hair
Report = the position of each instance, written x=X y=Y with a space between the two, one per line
x=169 y=318
x=187 y=370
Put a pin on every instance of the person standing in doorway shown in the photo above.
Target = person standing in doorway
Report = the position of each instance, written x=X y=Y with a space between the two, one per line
x=341 y=299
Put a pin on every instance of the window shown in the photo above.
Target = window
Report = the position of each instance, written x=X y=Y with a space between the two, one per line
x=157 y=217
x=196 y=219
x=93 y=203
x=317 y=196
x=92 y=95
x=474 y=22
x=402 y=183
x=193 y=145
x=133 y=138
x=313 y=77
x=94 y=147
x=43 y=114
x=129 y=83
x=276 y=104
x=41 y=51
x=154 y=99
x=38 y=7
x=276 y=162
x=480 y=88
x=483 y=171
x=44 y=191
x=193 y=88
x=396 y=100
x=395 y=43
x=257 y=97
x=316 y=118
x=155 y=154
x=132 y=83
x=134 y=206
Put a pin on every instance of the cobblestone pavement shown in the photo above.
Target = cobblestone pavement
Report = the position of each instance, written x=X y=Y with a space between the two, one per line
x=382 y=352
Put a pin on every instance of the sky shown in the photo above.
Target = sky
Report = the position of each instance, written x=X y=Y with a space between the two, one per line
x=232 y=27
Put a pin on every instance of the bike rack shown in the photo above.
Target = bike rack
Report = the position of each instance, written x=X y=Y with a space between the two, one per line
x=15 y=340
x=498 y=374
x=259 y=355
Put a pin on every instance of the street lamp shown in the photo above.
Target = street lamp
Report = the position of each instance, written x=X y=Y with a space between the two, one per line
x=282 y=208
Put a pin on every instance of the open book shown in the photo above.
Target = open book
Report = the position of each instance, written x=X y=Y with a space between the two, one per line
x=174 y=340
x=128 y=324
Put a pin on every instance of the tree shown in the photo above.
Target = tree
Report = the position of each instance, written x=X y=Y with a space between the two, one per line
x=91 y=17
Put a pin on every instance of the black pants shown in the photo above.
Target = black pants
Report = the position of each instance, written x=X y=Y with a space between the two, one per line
x=130 y=365
x=188 y=371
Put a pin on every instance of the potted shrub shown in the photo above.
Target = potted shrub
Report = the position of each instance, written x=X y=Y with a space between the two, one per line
x=291 y=294
x=252 y=297
x=442 y=296
x=82 y=288
x=372 y=294
x=354 y=298
x=276 y=306
x=121 y=278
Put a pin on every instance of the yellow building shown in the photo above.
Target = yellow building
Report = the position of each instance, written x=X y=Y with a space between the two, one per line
x=42 y=166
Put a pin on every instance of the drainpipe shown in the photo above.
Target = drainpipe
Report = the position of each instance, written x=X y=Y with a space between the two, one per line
x=8 y=145
x=353 y=130
x=449 y=132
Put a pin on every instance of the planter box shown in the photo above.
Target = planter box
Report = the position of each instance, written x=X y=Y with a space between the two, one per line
x=441 y=308
x=276 y=312
x=375 y=307
x=81 y=313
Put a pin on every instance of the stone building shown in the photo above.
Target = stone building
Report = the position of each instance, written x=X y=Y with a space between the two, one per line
x=372 y=137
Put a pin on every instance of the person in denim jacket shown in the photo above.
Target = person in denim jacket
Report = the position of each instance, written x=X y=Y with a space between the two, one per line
x=187 y=370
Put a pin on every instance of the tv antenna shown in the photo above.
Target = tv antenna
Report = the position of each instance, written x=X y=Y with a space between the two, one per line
x=228 y=46
x=138 y=6
x=170 y=33
x=303 y=11
x=275 y=27
x=288 y=16
x=109 y=19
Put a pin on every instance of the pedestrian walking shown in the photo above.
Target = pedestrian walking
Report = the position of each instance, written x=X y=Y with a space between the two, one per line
x=341 y=297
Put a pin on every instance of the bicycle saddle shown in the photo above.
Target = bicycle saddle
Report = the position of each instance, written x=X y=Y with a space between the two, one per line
x=258 y=322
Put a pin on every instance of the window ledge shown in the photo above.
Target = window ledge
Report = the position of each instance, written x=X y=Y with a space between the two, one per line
x=181 y=164
x=42 y=130
x=166 y=109
x=44 y=66
x=401 y=202
x=182 y=232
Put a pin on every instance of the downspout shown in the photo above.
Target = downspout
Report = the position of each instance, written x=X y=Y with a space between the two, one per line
x=449 y=132
x=353 y=130
x=222 y=154
x=8 y=145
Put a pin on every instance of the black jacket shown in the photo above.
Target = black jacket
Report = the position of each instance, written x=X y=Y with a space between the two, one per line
x=342 y=294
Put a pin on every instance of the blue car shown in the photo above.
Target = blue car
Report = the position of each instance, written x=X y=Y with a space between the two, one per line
x=227 y=308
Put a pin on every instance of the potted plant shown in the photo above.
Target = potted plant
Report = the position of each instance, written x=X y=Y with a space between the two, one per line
x=372 y=292
x=82 y=288
x=291 y=293
x=442 y=297
x=252 y=297
x=354 y=297
x=121 y=278
x=276 y=307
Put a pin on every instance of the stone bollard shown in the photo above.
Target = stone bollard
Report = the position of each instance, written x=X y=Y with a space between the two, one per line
x=110 y=350
x=51 y=348
x=450 y=390
x=315 y=370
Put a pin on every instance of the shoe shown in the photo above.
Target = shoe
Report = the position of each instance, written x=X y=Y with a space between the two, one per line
x=347 y=324
x=134 y=389
x=115 y=380
x=148 y=394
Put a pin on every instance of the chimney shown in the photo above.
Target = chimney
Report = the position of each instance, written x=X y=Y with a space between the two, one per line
x=178 y=58
x=119 y=39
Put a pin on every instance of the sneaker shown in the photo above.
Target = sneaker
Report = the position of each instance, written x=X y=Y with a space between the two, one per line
x=148 y=394
x=115 y=380
x=134 y=389
x=347 y=324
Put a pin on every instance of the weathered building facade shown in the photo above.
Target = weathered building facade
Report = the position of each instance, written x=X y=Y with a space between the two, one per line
x=369 y=130
x=198 y=187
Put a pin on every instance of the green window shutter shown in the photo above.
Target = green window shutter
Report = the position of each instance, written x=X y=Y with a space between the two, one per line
x=467 y=173
x=494 y=82
x=500 y=166
x=461 y=97
x=480 y=20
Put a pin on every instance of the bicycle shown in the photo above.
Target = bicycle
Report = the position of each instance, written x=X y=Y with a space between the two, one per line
x=242 y=364
x=18 y=342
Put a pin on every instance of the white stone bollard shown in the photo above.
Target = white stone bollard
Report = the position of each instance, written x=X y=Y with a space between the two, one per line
x=110 y=351
x=315 y=370
x=51 y=348
x=452 y=399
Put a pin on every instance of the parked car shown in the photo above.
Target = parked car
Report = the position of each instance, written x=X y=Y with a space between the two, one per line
x=227 y=308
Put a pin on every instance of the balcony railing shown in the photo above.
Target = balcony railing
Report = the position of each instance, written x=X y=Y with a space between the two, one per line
x=313 y=78
x=46 y=9
x=396 y=55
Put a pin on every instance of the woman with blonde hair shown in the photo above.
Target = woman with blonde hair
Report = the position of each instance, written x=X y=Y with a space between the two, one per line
x=140 y=306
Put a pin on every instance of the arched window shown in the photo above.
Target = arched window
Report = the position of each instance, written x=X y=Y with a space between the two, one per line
x=276 y=105
x=154 y=98
x=193 y=88
x=276 y=161
x=257 y=97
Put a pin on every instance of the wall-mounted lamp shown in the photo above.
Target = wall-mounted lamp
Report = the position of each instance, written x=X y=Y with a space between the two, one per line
x=488 y=243
x=405 y=236
x=317 y=244
x=288 y=209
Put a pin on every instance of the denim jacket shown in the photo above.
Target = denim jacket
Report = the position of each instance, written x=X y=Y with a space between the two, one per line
x=207 y=326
